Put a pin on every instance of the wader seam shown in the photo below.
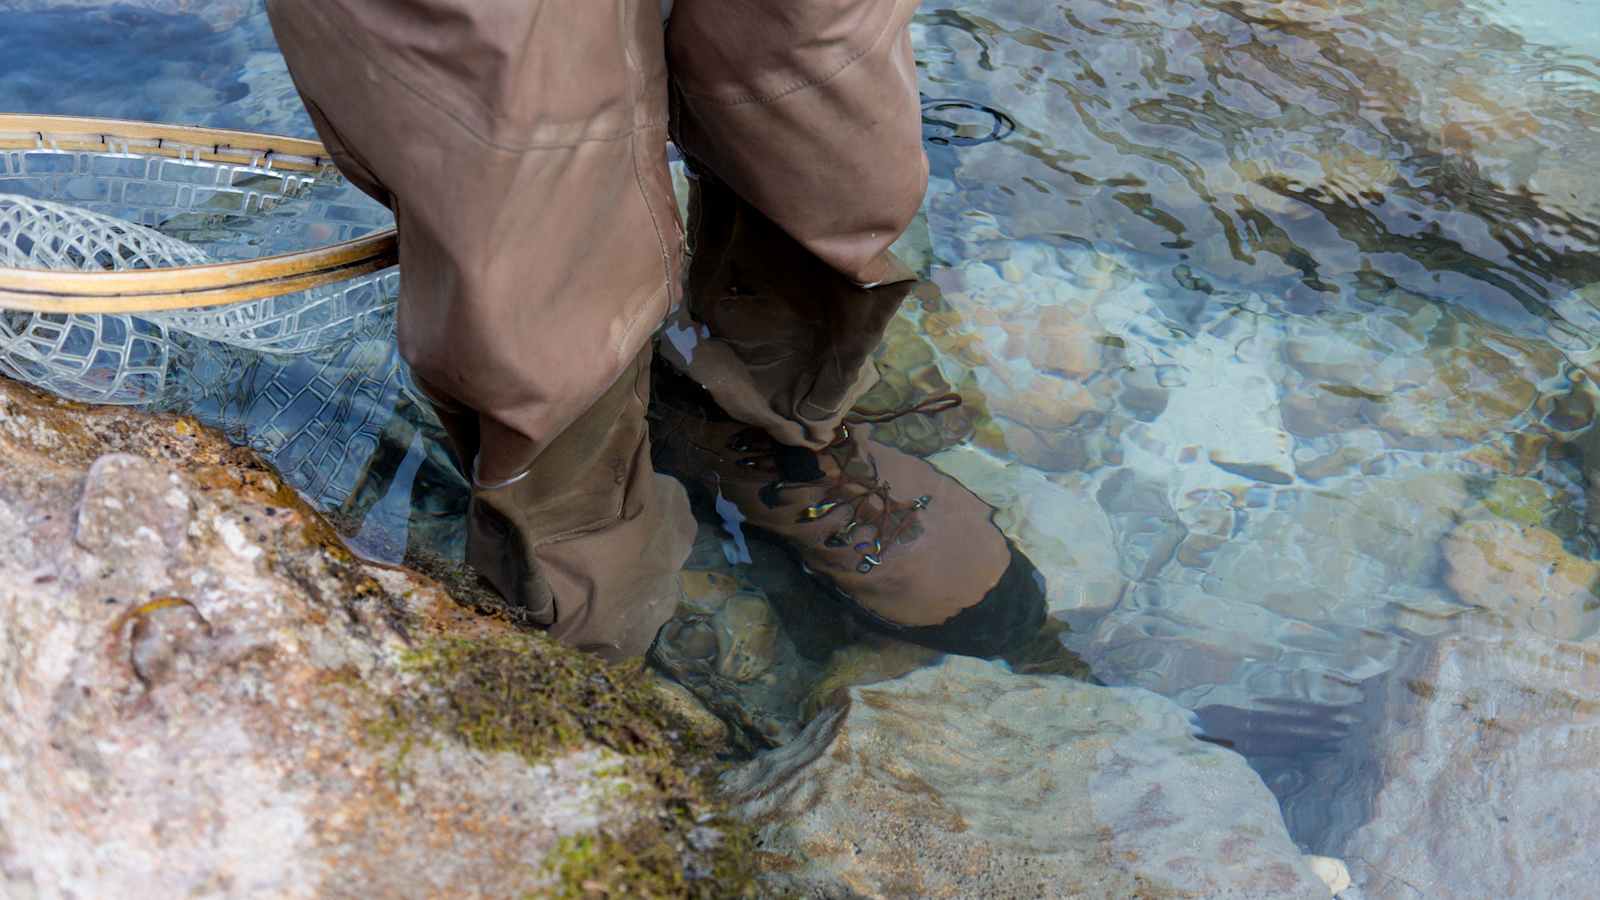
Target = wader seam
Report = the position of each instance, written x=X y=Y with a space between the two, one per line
x=636 y=88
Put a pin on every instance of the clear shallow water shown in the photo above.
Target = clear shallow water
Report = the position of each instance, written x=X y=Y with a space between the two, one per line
x=1262 y=307
x=1291 y=290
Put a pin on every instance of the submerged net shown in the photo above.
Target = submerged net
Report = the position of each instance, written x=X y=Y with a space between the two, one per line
x=296 y=323
x=124 y=359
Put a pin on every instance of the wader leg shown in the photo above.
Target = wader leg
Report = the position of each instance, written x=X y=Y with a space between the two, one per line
x=803 y=119
x=521 y=147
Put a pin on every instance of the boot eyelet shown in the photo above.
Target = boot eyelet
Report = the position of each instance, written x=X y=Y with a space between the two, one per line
x=772 y=494
x=817 y=510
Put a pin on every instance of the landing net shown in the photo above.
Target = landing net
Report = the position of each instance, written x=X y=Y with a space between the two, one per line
x=121 y=242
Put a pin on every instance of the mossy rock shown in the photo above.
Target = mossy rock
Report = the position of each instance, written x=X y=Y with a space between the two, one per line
x=526 y=695
x=378 y=737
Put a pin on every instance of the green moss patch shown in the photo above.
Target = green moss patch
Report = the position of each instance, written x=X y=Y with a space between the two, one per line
x=636 y=864
x=529 y=696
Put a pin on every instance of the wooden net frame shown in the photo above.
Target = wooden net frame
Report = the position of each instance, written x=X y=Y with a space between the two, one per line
x=251 y=173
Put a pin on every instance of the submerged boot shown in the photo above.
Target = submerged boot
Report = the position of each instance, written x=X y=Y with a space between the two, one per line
x=909 y=550
x=776 y=345
x=588 y=540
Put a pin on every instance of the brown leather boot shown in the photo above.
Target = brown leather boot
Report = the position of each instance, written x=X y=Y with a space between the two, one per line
x=777 y=348
x=588 y=540
x=909 y=549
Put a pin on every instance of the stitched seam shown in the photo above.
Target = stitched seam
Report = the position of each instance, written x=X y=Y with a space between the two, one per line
x=799 y=86
x=440 y=107
x=636 y=89
x=633 y=322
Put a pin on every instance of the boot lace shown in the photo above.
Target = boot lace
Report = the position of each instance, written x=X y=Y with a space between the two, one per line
x=856 y=486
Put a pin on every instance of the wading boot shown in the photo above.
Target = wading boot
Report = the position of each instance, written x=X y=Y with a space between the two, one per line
x=588 y=540
x=908 y=549
x=775 y=345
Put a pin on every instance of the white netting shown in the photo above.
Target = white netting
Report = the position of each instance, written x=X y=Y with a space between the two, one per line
x=93 y=358
x=40 y=234
x=124 y=358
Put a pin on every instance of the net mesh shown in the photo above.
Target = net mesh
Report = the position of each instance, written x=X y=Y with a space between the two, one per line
x=92 y=358
x=124 y=359
x=41 y=234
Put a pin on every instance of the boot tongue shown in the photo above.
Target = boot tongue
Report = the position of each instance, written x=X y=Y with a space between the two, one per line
x=797 y=465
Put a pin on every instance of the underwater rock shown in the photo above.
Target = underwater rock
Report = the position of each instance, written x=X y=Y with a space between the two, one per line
x=1526 y=501
x=1148 y=531
x=1513 y=453
x=1333 y=872
x=1270 y=625
x=869 y=662
x=1338 y=372
x=909 y=374
x=386 y=519
x=1025 y=329
x=1048 y=448
x=1585 y=446
x=704 y=725
x=1522 y=575
x=914 y=246
x=964 y=780
x=1059 y=343
x=1312 y=466
x=1222 y=427
x=204 y=693
x=727 y=646
x=1342 y=173
x=1429 y=377
x=1486 y=751
x=1476 y=388
x=1475 y=132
